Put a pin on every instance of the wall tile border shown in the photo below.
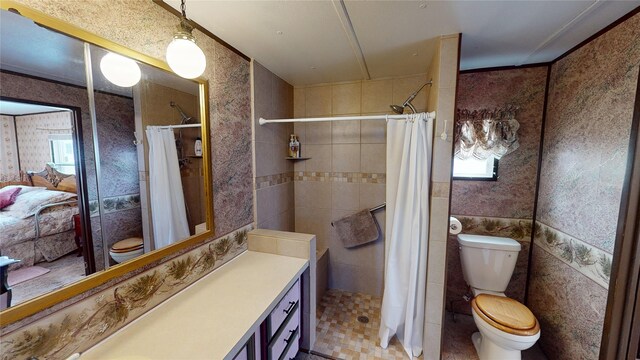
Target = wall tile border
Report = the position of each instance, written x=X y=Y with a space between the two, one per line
x=592 y=262
x=518 y=229
x=114 y=204
x=352 y=177
x=83 y=324
x=272 y=180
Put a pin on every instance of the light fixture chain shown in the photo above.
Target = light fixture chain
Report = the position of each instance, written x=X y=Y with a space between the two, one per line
x=183 y=8
x=184 y=56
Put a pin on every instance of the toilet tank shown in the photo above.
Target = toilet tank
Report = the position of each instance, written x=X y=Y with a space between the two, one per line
x=488 y=261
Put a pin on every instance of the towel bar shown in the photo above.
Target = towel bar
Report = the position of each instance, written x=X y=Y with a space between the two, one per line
x=381 y=206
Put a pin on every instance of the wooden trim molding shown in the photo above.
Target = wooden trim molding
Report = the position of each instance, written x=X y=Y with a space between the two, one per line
x=202 y=29
x=619 y=329
x=503 y=68
x=538 y=176
x=619 y=21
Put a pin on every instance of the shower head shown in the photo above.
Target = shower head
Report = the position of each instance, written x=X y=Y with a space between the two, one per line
x=397 y=109
x=184 y=118
x=407 y=103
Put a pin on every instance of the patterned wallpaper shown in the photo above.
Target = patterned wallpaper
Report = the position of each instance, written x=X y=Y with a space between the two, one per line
x=31 y=89
x=9 y=166
x=513 y=194
x=33 y=141
x=503 y=207
x=589 y=116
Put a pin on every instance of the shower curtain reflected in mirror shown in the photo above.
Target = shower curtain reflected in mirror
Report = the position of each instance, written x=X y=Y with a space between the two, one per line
x=409 y=151
x=168 y=211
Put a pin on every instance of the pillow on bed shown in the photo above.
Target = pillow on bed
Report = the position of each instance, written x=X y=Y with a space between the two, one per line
x=24 y=188
x=8 y=196
x=27 y=204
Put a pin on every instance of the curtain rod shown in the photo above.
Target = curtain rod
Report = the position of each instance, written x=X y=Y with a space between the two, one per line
x=262 y=121
x=177 y=126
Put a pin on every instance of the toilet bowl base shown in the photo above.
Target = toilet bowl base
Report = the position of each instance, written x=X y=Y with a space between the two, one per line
x=487 y=350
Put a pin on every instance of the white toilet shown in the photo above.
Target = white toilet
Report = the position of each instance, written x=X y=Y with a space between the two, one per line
x=127 y=249
x=506 y=326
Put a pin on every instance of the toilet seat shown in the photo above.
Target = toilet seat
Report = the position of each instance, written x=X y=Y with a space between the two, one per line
x=505 y=314
x=127 y=245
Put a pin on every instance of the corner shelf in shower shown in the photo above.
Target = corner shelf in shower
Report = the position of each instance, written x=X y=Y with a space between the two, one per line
x=297 y=158
x=195 y=156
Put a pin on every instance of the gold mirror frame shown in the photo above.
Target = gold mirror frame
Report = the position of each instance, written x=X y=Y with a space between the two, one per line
x=45 y=301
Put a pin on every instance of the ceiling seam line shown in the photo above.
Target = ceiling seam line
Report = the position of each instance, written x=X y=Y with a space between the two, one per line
x=563 y=29
x=350 y=32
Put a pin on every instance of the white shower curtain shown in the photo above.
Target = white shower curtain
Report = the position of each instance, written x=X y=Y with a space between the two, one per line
x=168 y=212
x=409 y=149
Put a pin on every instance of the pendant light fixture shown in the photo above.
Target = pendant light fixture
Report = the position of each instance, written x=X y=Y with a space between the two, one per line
x=184 y=56
x=120 y=70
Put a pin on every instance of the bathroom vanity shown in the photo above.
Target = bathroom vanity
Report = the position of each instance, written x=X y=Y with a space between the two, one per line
x=250 y=308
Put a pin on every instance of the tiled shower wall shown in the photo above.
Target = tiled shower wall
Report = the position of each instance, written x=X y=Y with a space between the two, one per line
x=346 y=169
x=442 y=98
x=273 y=99
x=503 y=207
x=589 y=115
x=144 y=26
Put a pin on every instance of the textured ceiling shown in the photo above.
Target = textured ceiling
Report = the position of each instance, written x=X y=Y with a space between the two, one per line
x=308 y=42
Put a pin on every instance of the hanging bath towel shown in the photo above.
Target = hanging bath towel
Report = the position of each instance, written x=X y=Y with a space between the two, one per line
x=357 y=229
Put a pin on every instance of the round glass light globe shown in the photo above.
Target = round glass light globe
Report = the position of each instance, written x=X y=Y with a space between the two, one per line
x=120 y=70
x=185 y=58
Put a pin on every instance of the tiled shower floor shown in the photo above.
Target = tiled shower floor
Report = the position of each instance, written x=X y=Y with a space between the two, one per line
x=339 y=333
x=341 y=336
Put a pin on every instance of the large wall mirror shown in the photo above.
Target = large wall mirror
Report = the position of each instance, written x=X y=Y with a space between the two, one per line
x=104 y=161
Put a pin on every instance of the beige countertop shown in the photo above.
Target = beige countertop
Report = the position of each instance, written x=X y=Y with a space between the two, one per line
x=211 y=319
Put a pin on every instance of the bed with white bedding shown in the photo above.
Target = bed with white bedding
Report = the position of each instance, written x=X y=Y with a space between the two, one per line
x=39 y=225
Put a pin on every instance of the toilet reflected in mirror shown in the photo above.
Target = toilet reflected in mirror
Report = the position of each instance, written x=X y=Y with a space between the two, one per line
x=127 y=249
x=76 y=117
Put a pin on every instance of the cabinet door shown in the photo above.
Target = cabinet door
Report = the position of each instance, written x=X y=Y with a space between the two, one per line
x=243 y=354
x=248 y=351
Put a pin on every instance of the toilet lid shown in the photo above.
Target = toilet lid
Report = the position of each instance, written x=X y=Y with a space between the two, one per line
x=127 y=245
x=506 y=314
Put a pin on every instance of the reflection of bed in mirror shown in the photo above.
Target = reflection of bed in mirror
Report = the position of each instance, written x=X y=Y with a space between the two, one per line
x=39 y=228
x=39 y=225
x=106 y=126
